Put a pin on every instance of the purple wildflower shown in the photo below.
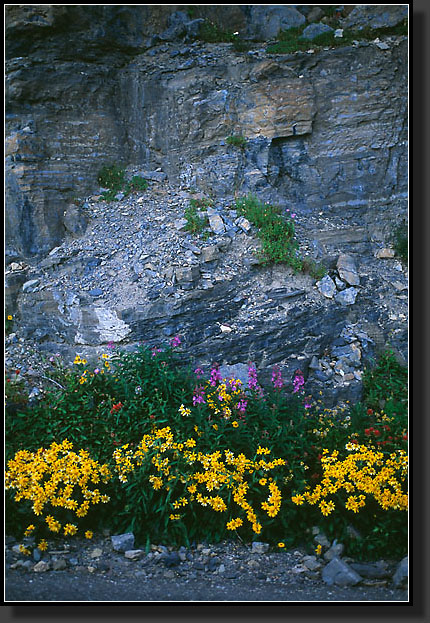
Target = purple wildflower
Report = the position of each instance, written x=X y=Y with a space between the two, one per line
x=110 y=345
x=252 y=377
x=198 y=372
x=298 y=381
x=215 y=375
x=241 y=406
x=174 y=342
x=198 y=395
x=252 y=380
x=277 y=378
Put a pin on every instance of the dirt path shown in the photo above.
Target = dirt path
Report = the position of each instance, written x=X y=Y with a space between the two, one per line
x=65 y=586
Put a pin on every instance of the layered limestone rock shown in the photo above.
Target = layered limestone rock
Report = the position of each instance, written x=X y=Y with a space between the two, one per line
x=320 y=133
x=88 y=86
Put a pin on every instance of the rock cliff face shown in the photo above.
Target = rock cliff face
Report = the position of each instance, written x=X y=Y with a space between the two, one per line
x=326 y=136
x=87 y=85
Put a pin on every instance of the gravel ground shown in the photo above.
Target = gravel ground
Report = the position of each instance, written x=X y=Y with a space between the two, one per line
x=63 y=586
x=79 y=571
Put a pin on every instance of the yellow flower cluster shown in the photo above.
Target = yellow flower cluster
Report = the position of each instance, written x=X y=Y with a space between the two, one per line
x=234 y=523
x=78 y=360
x=214 y=472
x=365 y=472
x=184 y=411
x=58 y=477
x=223 y=399
x=273 y=503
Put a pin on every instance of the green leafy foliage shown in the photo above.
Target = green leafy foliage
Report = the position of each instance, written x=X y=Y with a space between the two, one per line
x=276 y=231
x=386 y=383
x=236 y=140
x=180 y=442
x=400 y=241
x=291 y=40
x=113 y=178
x=197 y=223
x=210 y=32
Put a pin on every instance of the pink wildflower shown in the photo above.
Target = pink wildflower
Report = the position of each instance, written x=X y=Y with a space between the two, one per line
x=298 y=381
x=174 y=342
x=215 y=375
x=277 y=377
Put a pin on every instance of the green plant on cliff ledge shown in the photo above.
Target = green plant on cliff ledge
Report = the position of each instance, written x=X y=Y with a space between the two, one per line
x=196 y=223
x=113 y=178
x=135 y=184
x=236 y=140
x=399 y=240
x=212 y=33
x=277 y=234
x=291 y=40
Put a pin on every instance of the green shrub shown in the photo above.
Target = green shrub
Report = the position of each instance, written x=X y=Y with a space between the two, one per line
x=313 y=268
x=137 y=183
x=196 y=224
x=276 y=231
x=291 y=40
x=212 y=33
x=400 y=241
x=240 y=45
x=113 y=178
x=236 y=140
x=387 y=382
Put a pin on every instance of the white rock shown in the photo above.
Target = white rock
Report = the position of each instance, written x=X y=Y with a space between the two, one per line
x=133 y=554
x=41 y=566
x=216 y=224
x=385 y=253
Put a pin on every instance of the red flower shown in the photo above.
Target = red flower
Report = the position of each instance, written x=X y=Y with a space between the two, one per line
x=116 y=408
x=369 y=411
x=405 y=437
x=376 y=433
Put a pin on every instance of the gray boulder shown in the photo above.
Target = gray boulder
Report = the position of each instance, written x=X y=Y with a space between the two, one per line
x=340 y=573
x=347 y=269
x=383 y=16
x=327 y=287
x=346 y=297
x=400 y=577
x=314 y=30
x=123 y=542
x=267 y=21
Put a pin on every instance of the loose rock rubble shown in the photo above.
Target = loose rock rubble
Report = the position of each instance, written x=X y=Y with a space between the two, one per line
x=137 y=274
x=118 y=558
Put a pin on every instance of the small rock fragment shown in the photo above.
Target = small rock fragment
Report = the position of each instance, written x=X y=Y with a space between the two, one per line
x=123 y=542
x=41 y=566
x=259 y=548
